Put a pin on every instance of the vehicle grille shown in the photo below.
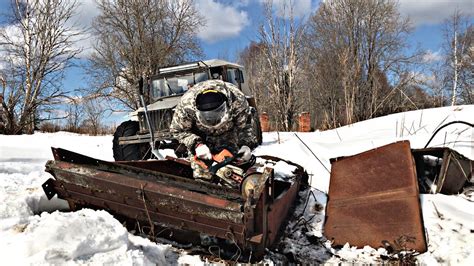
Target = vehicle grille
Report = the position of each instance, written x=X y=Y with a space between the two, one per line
x=160 y=120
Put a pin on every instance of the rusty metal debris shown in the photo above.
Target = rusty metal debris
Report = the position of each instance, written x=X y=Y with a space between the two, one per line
x=374 y=199
x=162 y=194
x=442 y=170
x=373 y=196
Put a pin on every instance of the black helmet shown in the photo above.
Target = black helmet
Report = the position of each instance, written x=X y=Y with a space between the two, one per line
x=212 y=107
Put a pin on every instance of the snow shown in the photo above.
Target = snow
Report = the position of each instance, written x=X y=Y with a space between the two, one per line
x=34 y=230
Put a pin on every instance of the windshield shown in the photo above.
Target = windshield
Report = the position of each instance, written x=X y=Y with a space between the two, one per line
x=175 y=85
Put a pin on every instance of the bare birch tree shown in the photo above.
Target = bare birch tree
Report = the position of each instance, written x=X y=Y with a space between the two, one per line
x=280 y=38
x=36 y=47
x=135 y=38
x=459 y=57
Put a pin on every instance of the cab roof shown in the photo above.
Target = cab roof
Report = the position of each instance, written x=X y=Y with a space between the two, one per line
x=198 y=64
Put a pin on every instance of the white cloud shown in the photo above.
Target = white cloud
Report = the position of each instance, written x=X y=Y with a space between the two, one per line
x=424 y=78
x=301 y=8
x=14 y=34
x=58 y=113
x=236 y=3
x=430 y=56
x=81 y=21
x=222 y=21
x=86 y=12
x=434 y=11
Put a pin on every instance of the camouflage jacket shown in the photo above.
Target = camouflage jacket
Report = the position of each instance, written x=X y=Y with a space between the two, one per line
x=235 y=132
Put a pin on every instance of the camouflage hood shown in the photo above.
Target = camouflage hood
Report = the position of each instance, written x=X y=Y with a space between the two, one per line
x=233 y=130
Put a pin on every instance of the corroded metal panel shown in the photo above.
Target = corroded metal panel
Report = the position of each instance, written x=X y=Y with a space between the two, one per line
x=374 y=200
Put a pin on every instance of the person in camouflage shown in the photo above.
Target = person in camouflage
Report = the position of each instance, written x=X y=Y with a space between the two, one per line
x=211 y=116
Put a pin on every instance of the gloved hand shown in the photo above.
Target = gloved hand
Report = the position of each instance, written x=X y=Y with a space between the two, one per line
x=245 y=153
x=203 y=152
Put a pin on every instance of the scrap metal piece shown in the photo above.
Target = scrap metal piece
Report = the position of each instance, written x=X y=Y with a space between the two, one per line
x=48 y=188
x=447 y=170
x=373 y=199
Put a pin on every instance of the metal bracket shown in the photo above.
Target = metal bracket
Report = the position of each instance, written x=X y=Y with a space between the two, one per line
x=48 y=188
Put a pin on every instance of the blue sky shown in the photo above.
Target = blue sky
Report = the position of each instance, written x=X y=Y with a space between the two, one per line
x=426 y=16
x=232 y=24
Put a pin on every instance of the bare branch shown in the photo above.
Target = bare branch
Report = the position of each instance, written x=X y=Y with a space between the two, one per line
x=135 y=38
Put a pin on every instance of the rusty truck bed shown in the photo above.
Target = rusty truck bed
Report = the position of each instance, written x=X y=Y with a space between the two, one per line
x=163 y=196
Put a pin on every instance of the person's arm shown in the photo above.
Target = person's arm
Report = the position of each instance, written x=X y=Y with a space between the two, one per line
x=181 y=128
x=247 y=134
x=243 y=122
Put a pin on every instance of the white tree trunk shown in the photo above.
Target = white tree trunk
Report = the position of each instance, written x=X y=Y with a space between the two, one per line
x=455 y=67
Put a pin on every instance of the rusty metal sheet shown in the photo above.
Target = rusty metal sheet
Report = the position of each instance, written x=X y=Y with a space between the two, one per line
x=373 y=199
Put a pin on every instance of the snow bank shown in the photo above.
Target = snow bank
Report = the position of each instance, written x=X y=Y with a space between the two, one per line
x=85 y=236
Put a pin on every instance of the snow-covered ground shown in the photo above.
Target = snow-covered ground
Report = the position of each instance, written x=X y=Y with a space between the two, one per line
x=33 y=232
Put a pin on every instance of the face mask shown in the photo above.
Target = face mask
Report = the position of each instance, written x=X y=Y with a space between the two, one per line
x=212 y=117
